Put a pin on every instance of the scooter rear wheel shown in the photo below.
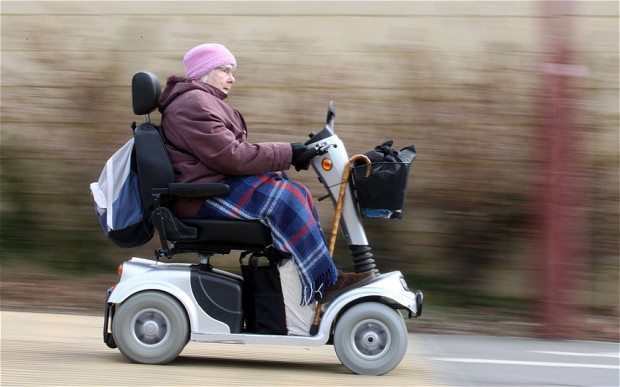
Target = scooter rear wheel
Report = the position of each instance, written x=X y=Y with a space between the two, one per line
x=370 y=338
x=150 y=328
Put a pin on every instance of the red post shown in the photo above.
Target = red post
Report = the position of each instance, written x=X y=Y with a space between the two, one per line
x=561 y=227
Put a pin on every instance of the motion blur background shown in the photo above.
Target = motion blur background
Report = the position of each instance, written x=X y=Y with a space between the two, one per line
x=512 y=216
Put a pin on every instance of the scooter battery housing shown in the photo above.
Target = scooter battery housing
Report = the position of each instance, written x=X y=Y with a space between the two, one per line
x=220 y=296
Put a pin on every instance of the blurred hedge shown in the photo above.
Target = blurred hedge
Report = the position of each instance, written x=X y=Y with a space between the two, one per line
x=461 y=81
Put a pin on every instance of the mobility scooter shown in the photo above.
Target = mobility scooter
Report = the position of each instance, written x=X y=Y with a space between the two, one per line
x=157 y=306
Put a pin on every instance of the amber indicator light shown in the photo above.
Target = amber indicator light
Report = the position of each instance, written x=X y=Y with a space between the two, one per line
x=326 y=163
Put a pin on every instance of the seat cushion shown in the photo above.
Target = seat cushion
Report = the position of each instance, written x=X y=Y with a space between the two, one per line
x=230 y=233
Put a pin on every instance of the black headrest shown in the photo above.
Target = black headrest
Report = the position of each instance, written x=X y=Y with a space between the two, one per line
x=145 y=92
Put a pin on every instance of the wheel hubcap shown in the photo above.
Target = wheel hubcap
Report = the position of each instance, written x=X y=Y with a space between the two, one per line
x=150 y=327
x=370 y=339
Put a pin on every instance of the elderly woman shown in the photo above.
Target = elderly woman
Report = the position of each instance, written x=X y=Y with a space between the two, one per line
x=207 y=142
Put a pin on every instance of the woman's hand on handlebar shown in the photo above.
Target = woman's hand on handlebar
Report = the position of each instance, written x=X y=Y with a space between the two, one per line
x=302 y=155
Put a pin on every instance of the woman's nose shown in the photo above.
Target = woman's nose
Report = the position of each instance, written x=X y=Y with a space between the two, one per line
x=231 y=79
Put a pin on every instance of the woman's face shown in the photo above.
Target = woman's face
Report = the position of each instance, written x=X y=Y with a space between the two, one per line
x=222 y=78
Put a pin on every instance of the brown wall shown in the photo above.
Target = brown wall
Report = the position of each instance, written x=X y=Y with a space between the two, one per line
x=460 y=80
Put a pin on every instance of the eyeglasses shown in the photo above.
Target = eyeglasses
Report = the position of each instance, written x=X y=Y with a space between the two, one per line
x=228 y=70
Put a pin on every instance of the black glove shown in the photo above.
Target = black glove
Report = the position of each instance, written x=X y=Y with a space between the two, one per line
x=302 y=155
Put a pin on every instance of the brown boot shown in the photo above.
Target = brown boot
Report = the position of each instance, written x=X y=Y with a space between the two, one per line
x=346 y=280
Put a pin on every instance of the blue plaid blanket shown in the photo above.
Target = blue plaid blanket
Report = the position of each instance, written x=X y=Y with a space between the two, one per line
x=286 y=207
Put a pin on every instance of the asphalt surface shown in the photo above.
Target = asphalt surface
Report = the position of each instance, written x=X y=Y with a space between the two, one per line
x=64 y=349
x=473 y=360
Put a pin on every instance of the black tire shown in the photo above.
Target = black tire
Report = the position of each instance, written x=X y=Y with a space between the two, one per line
x=370 y=338
x=150 y=328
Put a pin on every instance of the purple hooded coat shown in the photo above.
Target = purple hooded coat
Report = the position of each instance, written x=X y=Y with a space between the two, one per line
x=207 y=140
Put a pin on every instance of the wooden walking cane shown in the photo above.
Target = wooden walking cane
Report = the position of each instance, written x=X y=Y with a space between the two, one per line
x=343 y=188
x=338 y=212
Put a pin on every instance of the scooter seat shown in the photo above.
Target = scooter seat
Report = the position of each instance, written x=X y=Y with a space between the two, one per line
x=216 y=235
x=158 y=188
x=238 y=233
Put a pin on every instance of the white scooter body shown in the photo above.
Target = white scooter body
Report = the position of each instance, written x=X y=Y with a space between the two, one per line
x=139 y=275
x=174 y=278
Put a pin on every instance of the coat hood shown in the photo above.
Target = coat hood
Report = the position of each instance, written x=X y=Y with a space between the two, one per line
x=175 y=86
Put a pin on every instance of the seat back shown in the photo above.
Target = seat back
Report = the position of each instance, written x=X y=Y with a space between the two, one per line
x=152 y=160
x=153 y=164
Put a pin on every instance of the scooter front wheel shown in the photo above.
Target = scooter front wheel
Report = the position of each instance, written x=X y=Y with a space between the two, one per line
x=370 y=339
x=150 y=328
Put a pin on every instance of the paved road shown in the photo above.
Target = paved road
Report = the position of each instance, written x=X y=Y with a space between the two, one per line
x=61 y=349
x=56 y=349
x=486 y=360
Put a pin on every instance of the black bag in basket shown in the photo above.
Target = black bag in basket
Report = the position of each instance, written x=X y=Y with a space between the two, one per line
x=382 y=194
x=263 y=302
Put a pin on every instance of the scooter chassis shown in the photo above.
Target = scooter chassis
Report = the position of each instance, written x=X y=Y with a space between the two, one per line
x=388 y=288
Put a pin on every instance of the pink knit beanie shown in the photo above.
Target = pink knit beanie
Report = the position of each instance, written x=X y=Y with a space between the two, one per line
x=203 y=58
